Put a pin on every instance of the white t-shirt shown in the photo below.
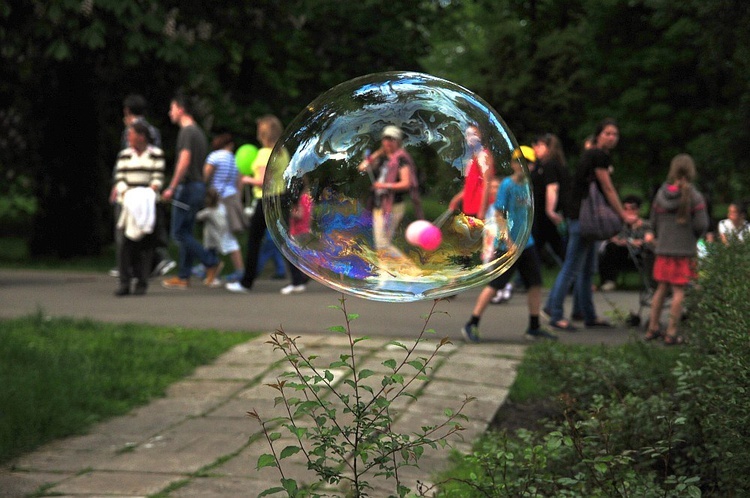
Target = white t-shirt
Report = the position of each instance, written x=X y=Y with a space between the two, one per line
x=728 y=230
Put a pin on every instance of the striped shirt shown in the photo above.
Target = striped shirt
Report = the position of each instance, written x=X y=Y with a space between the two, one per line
x=224 y=179
x=144 y=170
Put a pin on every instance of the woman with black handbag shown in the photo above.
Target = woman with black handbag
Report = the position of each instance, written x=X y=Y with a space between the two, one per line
x=580 y=255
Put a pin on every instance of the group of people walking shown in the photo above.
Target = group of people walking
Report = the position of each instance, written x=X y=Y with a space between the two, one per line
x=679 y=217
x=205 y=187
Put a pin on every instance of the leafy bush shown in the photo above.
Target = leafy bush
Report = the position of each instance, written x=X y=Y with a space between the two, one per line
x=636 y=420
x=714 y=380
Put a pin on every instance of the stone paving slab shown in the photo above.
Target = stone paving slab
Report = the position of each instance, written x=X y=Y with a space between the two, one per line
x=199 y=441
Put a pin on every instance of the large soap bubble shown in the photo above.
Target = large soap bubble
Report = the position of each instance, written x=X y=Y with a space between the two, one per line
x=343 y=221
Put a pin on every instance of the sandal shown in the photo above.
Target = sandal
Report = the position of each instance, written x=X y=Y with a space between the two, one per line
x=652 y=334
x=673 y=340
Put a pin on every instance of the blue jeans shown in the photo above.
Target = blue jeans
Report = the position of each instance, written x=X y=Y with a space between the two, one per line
x=268 y=250
x=188 y=200
x=578 y=267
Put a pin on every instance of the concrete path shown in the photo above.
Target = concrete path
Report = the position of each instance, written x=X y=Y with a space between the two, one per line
x=199 y=441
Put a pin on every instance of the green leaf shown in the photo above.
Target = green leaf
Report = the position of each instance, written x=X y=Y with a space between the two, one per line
x=366 y=373
x=290 y=485
x=272 y=491
x=600 y=467
x=289 y=451
x=417 y=364
x=338 y=329
x=266 y=460
x=390 y=363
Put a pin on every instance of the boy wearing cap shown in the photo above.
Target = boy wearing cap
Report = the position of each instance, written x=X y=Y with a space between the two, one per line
x=513 y=202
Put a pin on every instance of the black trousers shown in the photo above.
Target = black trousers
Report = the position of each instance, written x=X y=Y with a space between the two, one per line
x=135 y=260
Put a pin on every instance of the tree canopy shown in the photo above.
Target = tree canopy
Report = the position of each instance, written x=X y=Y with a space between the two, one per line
x=675 y=76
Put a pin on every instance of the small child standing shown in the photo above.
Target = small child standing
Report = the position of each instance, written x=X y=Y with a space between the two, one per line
x=513 y=202
x=679 y=218
x=215 y=231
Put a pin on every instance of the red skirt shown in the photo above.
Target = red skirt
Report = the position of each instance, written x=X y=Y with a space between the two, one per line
x=676 y=270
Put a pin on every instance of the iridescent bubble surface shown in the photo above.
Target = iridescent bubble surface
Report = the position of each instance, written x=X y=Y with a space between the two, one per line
x=319 y=204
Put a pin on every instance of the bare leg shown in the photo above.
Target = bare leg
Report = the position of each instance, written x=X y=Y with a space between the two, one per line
x=237 y=262
x=675 y=310
x=534 y=299
x=483 y=300
x=656 y=303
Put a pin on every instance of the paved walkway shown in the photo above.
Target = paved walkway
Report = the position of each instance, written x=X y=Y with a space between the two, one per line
x=199 y=441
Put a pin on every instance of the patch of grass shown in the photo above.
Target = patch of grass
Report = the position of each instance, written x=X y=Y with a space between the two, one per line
x=60 y=376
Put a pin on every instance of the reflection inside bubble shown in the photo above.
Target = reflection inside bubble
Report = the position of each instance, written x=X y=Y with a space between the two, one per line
x=335 y=164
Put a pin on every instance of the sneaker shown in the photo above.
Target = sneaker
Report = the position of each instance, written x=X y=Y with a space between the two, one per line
x=163 y=267
x=608 y=286
x=470 y=333
x=114 y=272
x=508 y=292
x=293 y=289
x=216 y=283
x=176 y=283
x=540 y=334
x=236 y=287
x=498 y=298
x=212 y=272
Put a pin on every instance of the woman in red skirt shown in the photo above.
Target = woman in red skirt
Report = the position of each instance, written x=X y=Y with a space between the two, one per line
x=679 y=219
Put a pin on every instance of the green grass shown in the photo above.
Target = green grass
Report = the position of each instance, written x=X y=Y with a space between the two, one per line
x=60 y=376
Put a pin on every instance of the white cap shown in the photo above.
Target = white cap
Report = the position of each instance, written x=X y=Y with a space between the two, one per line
x=391 y=131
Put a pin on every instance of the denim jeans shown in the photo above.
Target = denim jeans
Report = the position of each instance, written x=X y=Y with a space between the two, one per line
x=578 y=267
x=188 y=200
x=269 y=251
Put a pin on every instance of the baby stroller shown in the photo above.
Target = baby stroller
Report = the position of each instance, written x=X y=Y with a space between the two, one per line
x=643 y=260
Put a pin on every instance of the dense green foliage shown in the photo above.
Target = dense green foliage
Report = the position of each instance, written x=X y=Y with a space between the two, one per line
x=674 y=74
x=61 y=376
x=636 y=420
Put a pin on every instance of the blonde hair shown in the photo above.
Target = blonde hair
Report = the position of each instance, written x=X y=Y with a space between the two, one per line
x=682 y=174
x=269 y=130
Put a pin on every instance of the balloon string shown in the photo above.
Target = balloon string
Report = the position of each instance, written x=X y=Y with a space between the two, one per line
x=440 y=220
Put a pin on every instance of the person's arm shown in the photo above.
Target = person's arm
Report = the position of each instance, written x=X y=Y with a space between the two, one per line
x=552 y=193
x=257 y=180
x=402 y=184
x=180 y=169
x=208 y=172
x=605 y=181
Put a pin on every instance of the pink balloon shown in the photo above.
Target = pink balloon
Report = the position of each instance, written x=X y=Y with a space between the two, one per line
x=430 y=238
x=414 y=231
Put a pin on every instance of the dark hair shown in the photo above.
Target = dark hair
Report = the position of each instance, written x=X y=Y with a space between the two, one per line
x=135 y=103
x=140 y=128
x=554 y=146
x=632 y=199
x=185 y=102
x=740 y=205
x=221 y=141
x=212 y=198
x=603 y=124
